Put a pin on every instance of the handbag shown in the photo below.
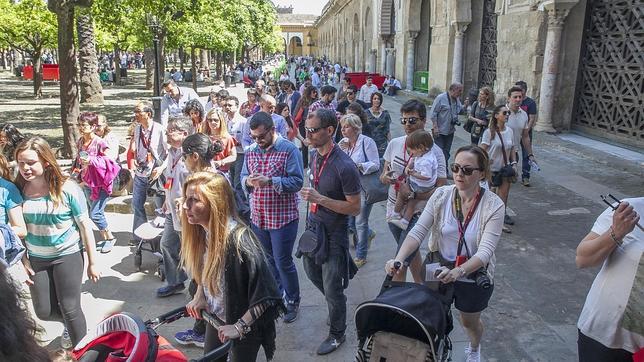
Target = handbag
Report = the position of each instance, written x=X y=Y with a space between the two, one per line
x=507 y=170
x=374 y=190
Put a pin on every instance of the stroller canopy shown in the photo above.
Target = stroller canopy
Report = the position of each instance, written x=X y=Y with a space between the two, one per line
x=408 y=309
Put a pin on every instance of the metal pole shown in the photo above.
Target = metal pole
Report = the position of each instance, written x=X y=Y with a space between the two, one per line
x=156 y=100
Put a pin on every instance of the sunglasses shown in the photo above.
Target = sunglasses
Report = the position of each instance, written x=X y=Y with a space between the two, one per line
x=261 y=136
x=350 y=93
x=409 y=120
x=467 y=170
x=312 y=130
x=506 y=113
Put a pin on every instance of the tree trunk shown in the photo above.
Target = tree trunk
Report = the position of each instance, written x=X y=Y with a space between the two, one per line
x=117 y=64
x=218 y=69
x=90 y=84
x=181 y=59
x=69 y=102
x=37 y=73
x=205 y=64
x=193 y=60
x=149 y=68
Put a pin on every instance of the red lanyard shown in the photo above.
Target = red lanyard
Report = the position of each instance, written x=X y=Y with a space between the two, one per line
x=316 y=172
x=146 y=144
x=174 y=164
x=462 y=225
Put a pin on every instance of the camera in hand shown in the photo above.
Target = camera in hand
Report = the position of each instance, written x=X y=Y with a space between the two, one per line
x=142 y=166
x=481 y=278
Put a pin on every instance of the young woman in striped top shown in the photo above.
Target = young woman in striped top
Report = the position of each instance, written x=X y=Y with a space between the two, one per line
x=55 y=212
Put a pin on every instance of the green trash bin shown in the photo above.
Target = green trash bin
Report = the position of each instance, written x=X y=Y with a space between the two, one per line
x=421 y=81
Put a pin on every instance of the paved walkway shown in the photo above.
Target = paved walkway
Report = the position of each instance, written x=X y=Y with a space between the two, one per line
x=538 y=293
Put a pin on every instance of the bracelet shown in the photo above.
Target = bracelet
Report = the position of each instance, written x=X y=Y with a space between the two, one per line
x=614 y=237
x=241 y=335
x=244 y=327
x=461 y=271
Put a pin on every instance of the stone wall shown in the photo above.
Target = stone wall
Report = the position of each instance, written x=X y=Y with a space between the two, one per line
x=520 y=44
x=472 y=51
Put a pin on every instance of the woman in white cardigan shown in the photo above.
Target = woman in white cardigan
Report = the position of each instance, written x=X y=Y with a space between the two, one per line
x=485 y=211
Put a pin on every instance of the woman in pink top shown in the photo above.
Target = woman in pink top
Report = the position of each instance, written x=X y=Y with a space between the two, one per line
x=96 y=172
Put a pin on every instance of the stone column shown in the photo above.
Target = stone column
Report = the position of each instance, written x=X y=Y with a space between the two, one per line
x=391 y=61
x=372 y=60
x=457 y=60
x=383 y=58
x=556 y=18
x=411 y=57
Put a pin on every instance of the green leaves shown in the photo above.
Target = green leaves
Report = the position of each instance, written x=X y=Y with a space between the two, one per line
x=27 y=25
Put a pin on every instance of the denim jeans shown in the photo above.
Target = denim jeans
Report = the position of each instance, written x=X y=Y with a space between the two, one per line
x=400 y=235
x=525 y=164
x=170 y=247
x=97 y=208
x=139 y=196
x=328 y=279
x=360 y=224
x=444 y=141
x=278 y=245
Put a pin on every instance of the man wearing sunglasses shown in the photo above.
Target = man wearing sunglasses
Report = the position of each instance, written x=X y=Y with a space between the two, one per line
x=351 y=96
x=333 y=195
x=271 y=176
x=396 y=158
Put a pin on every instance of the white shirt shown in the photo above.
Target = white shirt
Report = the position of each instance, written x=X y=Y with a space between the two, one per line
x=518 y=122
x=172 y=107
x=613 y=309
x=364 y=154
x=397 y=157
x=427 y=166
x=494 y=150
x=366 y=92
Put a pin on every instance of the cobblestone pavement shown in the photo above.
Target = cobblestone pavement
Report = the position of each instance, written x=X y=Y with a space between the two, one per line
x=538 y=293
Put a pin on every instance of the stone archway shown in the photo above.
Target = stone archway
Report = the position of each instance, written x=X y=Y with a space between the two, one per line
x=295 y=46
x=355 y=44
x=367 y=41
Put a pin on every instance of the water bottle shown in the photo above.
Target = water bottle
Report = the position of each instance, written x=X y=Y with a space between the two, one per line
x=534 y=165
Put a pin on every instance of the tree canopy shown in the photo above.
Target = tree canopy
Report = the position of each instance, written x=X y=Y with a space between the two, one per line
x=27 y=25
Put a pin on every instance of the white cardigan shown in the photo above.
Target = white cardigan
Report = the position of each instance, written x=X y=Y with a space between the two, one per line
x=492 y=211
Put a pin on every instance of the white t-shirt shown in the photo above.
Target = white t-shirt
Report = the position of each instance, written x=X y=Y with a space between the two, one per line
x=612 y=314
x=518 y=122
x=397 y=156
x=366 y=92
x=494 y=150
x=427 y=166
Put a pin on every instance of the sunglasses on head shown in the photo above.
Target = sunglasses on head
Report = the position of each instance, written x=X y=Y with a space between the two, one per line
x=409 y=120
x=467 y=170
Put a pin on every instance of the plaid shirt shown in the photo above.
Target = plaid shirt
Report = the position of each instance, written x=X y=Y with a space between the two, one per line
x=319 y=104
x=274 y=206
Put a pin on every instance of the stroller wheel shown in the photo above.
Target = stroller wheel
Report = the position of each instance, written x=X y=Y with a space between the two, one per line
x=138 y=258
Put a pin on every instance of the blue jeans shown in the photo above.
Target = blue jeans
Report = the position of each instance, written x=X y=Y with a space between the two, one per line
x=139 y=196
x=525 y=163
x=400 y=235
x=170 y=248
x=328 y=279
x=360 y=224
x=97 y=208
x=278 y=245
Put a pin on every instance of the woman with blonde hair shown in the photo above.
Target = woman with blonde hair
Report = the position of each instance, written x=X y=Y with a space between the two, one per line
x=216 y=128
x=480 y=114
x=228 y=264
x=58 y=229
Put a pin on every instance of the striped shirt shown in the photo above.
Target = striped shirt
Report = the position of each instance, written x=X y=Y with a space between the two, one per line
x=53 y=232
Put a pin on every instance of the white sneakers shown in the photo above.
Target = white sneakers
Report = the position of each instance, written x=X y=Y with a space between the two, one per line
x=472 y=355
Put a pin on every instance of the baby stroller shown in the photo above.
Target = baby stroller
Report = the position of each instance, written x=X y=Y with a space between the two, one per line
x=406 y=322
x=150 y=235
x=126 y=337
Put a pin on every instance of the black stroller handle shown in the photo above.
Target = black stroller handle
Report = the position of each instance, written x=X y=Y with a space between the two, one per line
x=389 y=277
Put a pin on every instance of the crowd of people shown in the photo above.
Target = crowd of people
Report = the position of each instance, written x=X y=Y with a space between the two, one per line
x=228 y=176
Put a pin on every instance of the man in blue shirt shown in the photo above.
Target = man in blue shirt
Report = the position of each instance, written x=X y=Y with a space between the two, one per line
x=444 y=116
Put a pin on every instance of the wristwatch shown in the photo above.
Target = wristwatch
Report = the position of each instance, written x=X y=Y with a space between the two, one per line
x=412 y=195
x=270 y=182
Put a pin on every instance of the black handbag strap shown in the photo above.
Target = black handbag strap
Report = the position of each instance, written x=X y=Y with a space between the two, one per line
x=364 y=153
x=505 y=156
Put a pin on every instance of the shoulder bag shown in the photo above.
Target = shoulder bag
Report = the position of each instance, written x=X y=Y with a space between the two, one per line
x=507 y=170
x=374 y=190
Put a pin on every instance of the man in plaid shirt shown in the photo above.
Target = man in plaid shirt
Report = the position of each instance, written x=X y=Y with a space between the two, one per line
x=327 y=101
x=271 y=176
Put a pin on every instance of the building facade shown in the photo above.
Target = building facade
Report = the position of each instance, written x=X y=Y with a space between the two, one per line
x=298 y=32
x=583 y=60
